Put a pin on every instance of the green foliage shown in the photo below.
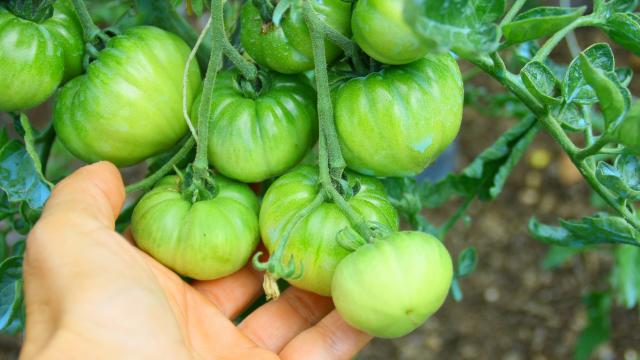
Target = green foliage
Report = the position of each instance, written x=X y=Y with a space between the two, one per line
x=540 y=22
x=541 y=82
x=465 y=26
x=11 y=299
x=598 y=328
x=598 y=229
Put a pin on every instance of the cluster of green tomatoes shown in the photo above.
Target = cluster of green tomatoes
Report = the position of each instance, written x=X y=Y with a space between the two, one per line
x=127 y=107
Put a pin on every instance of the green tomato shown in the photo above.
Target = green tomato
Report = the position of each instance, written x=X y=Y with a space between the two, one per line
x=381 y=31
x=128 y=106
x=204 y=240
x=396 y=121
x=253 y=138
x=313 y=242
x=286 y=48
x=390 y=287
x=37 y=57
x=628 y=134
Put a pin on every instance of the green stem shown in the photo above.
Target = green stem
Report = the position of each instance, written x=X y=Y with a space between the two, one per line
x=164 y=170
x=325 y=109
x=201 y=163
x=248 y=70
x=594 y=148
x=88 y=26
x=511 y=14
x=349 y=47
x=462 y=209
x=554 y=40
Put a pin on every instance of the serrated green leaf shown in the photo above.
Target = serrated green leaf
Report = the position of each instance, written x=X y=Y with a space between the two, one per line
x=30 y=146
x=624 y=75
x=599 y=229
x=575 y=87
x=613 y=180
x=628 y=132
x=541 y=82
x=19 y=178
x=624 y=29
x=571 y=117
x=467 y=261
x=614 y=99
x=464 y=26
x=598 y=329
x=625 y=277
x=539 y=22
x=10 y=290
x=486 y=175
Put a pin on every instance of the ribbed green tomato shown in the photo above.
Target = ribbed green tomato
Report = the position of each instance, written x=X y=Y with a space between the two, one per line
x=287 y=48
x=396 y=121
x=628 y=133
x=390 y=287
x=253 y=139
x=380 y=29
x=37 y=57
x=205 y=240
x=128 y=106
x=313 y=241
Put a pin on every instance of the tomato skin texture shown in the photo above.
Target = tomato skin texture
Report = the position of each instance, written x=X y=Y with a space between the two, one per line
x=390 y=287
x=205 y=240
x=37 y=57
x=380 y=30
x=313 y=241
x=628 y=134
x=287 y=48
x=128 y=106
x=255 y=139
x=397 y=121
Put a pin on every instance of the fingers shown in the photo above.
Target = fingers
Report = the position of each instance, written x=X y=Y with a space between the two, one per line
x=234 y=293
x=274 y=324
x=330 y=339
x=94 y=192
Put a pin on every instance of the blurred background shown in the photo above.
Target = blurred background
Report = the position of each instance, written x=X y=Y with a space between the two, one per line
x=525 y=300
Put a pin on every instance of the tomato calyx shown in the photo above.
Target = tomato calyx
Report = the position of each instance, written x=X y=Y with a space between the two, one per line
x=252 y=89
x=31 y=10
x=196 y=189
x=349 y=239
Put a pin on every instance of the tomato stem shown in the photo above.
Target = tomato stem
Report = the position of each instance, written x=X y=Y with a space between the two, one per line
x=511 y=14
x=93 y=36
x=331 y=162
x=201 y=163
x=149 y=181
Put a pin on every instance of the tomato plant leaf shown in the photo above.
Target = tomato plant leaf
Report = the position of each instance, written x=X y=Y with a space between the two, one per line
x=464 y=26
x=486 y=175
x=19 y=178
x=599 y=229
x=30 y=147
x=575 y=87
x=539 y=22
x=598 y=329
x=558 y=255
x=624 y=29
x=614 y=99
x=10 y=290
x=610 y=177
x=456 y=291
x=571 y=117
x=467 y=261
x=541 y=82
x=625 y=277
x=624 y=75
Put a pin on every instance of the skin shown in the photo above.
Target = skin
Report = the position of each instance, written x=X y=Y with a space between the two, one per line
x=91 y=294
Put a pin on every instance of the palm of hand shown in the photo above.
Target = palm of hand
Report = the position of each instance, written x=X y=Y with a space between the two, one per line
x=91 y=292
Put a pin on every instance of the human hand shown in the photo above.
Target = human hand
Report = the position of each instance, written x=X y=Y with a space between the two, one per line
x=90 y=293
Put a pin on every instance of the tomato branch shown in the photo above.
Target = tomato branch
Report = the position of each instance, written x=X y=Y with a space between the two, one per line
x=554 y=40
x=511 y=14
x=151 y=180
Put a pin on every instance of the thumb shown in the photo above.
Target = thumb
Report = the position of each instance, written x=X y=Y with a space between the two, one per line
x=92 y=193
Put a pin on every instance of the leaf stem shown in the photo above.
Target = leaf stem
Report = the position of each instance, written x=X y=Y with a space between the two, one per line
x=248 y=70
x=511 y=14
x=554 y=40
x=88 y=26
x=462 y=209
x=149 y=181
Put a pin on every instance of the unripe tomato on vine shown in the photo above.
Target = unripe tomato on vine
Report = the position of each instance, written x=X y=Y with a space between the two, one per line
x=396 y=121
x=128 y=106
x=37 y=55
x=286 y=47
